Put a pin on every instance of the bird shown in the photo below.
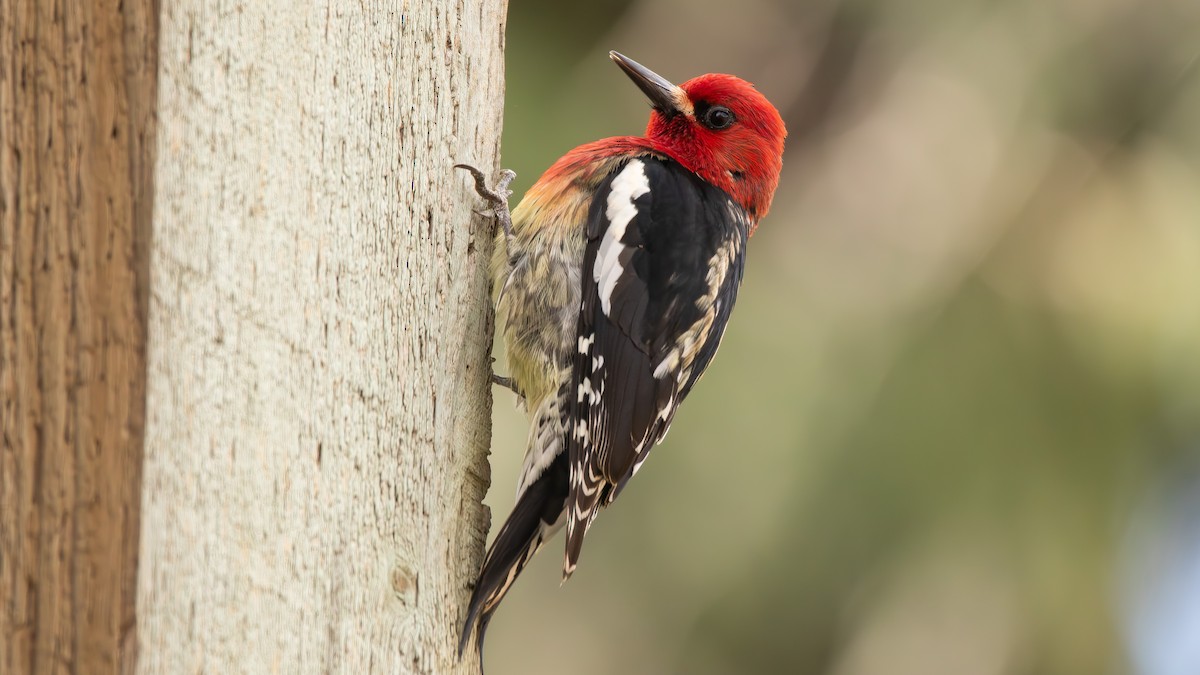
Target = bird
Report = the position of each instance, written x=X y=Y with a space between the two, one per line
x=613 y=281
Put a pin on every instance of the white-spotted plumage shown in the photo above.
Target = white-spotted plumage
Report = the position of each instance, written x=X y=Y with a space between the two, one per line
x=666 y=255
x=658 y=275
x=660 y=267
x=615 y=278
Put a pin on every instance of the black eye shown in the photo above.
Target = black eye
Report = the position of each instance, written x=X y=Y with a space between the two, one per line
x=717 y=117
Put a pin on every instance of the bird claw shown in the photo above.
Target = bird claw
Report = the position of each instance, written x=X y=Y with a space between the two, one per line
x=506 y=382
x=496 y=197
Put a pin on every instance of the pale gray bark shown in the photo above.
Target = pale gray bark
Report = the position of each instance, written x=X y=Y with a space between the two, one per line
x=318 y=399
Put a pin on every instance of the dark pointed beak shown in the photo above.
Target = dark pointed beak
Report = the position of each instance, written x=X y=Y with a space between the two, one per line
x=663 y=95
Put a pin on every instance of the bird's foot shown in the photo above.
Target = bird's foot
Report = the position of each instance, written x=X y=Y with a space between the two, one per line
x=496 y=197
x=506 y=382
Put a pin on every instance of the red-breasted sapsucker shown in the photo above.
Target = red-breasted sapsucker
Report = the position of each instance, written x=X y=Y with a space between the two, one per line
x=614 y=279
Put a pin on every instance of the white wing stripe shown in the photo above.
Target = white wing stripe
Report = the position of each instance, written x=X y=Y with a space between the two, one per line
x=630 y=184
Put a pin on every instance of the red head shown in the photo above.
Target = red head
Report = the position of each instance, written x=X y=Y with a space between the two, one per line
x=719 y=127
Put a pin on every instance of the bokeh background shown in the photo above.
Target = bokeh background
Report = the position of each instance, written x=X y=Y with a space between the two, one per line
x=954 y=427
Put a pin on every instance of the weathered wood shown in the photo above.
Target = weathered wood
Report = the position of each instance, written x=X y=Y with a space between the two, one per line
x=77 y=87
x=318 y=396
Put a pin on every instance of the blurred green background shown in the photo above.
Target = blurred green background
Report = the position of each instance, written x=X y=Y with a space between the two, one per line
x=954 y=426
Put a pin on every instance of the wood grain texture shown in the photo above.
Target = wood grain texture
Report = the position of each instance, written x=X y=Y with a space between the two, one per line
x=318 y=399
x=77 y=88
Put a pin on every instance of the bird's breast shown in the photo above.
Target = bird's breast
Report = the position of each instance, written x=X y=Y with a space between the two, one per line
x=537 y=286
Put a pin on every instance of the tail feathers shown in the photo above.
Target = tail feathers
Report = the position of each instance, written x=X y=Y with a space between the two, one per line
x=583 y=507
x=534 y=519
x=577 y=527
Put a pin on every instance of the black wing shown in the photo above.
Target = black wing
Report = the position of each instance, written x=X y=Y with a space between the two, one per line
x=661 y=269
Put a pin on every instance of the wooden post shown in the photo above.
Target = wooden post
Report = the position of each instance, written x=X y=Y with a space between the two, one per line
x=318 y=394
x=77 y=91
x=243 y=305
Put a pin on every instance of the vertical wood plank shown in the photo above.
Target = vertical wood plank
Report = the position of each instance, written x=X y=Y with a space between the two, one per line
x=77 y=96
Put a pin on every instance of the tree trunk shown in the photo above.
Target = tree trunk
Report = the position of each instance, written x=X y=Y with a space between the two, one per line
x=314 y=386
x=76 y=162
x=318 y=393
